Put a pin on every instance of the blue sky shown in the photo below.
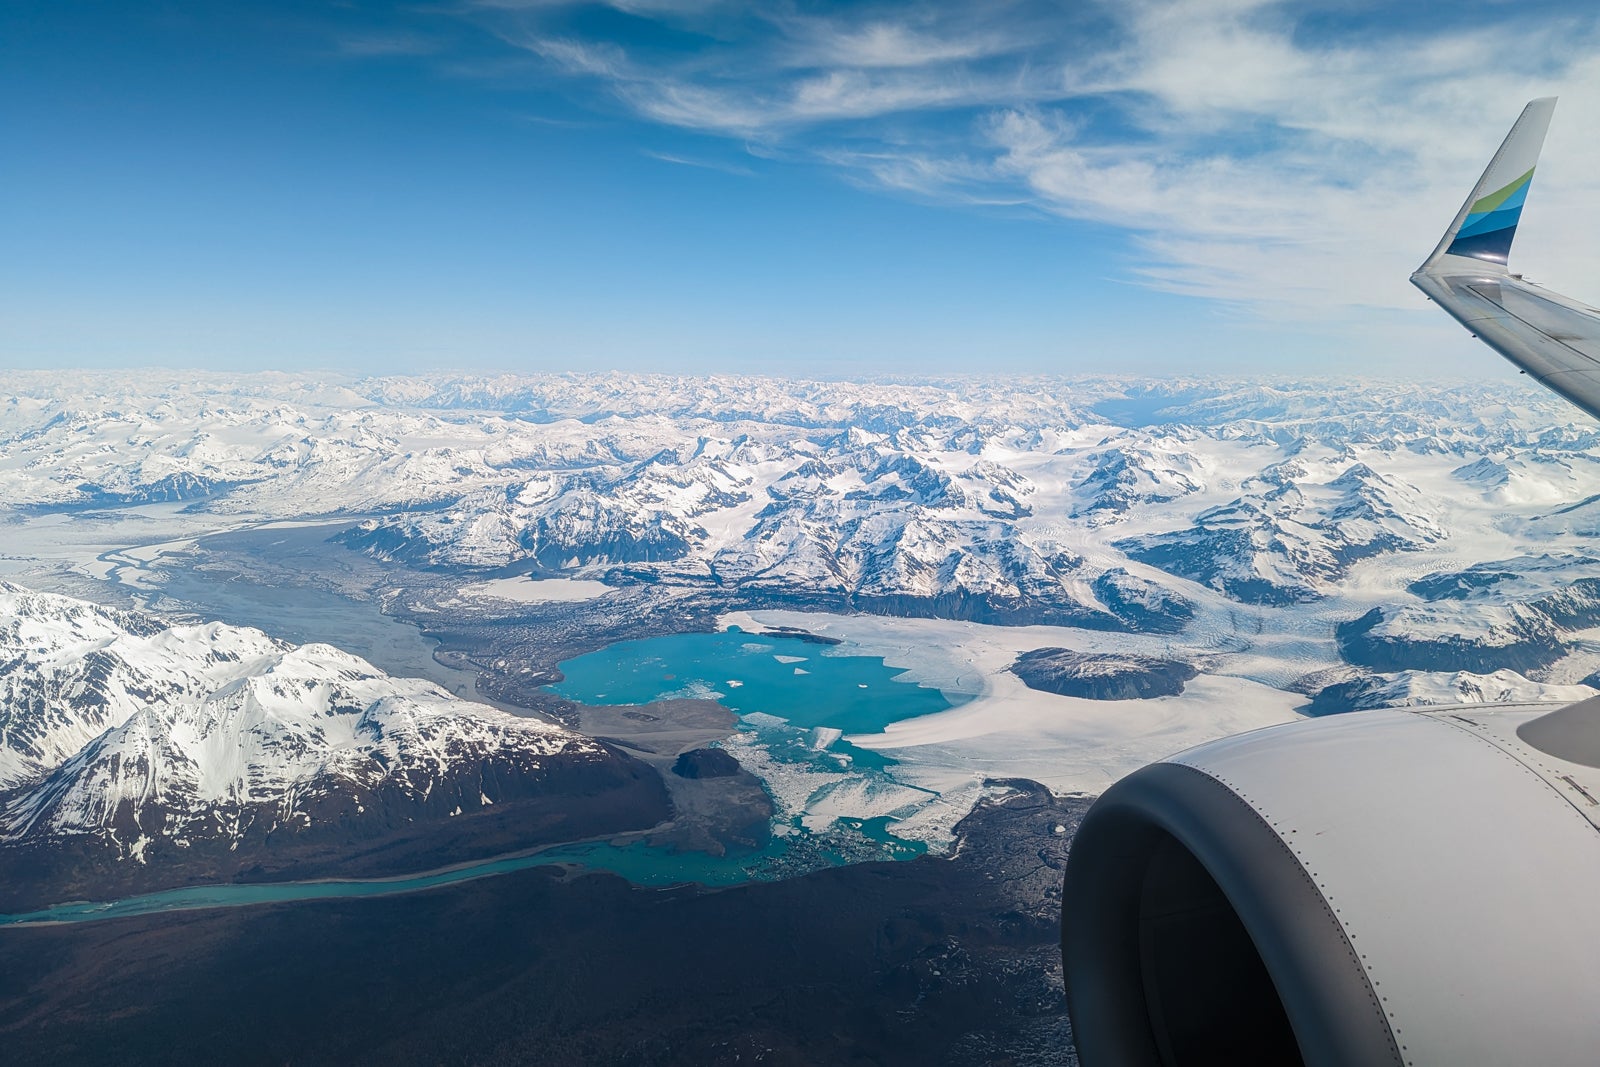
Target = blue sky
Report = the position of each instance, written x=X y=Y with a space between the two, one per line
x=1233 y=186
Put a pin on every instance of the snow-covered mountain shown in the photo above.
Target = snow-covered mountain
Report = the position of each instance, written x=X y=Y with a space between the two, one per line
x=1195 y=508
x=1482 y=638
x=1294 y=536
x=1357 y=544
x=999 y=504
x=70 y=670
x=1132 y=474
x=124 y=737
x=1355 y=690
x=566 y=519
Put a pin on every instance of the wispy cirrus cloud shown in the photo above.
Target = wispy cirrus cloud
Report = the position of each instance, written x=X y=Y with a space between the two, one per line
x=1286 y=157
x=700 y=164
x=883 y=43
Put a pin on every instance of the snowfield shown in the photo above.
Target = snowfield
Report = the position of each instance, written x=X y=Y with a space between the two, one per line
x=1339 y=543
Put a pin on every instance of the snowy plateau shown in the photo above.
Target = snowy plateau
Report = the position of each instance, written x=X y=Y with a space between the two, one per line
x=1304 y=546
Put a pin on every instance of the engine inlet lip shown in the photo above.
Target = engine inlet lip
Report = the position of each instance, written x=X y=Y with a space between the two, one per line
x=1332 y=1007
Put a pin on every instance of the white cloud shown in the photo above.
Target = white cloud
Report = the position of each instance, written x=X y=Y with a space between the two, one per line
x=577 y=57
x=888 y=44
x=1254 y=158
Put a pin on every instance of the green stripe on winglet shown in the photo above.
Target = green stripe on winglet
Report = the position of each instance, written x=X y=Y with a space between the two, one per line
x=1500 y=196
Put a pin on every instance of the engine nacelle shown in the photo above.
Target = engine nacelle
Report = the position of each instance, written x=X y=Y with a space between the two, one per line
x=1386 y=887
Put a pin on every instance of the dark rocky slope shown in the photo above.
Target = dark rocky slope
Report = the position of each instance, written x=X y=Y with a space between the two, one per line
x=932 y=961
x=1101 y=677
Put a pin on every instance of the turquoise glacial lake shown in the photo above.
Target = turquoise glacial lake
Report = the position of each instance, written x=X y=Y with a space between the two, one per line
x=809 y=685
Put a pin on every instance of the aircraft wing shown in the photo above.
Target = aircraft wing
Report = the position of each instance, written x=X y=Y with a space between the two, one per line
x=1552 y=337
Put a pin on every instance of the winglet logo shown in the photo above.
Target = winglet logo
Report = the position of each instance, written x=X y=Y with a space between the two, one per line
x=1487 y=230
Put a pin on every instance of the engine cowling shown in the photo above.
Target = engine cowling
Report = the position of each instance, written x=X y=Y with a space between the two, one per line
x=1387 y=887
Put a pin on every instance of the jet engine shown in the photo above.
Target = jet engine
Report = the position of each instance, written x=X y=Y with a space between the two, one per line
x=1384 y=887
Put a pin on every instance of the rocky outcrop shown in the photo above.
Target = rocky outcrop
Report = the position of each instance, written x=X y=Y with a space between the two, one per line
x=705 y=763
x=1101 y=677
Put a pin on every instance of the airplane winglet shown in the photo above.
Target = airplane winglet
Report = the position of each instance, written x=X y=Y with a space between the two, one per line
x=1552 y=338
x=1483 y=228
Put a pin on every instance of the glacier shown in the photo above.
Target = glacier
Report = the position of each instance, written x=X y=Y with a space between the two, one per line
x=1393 y=542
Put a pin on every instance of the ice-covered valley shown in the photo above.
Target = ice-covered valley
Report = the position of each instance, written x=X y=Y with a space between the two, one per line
x=1304 y=545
